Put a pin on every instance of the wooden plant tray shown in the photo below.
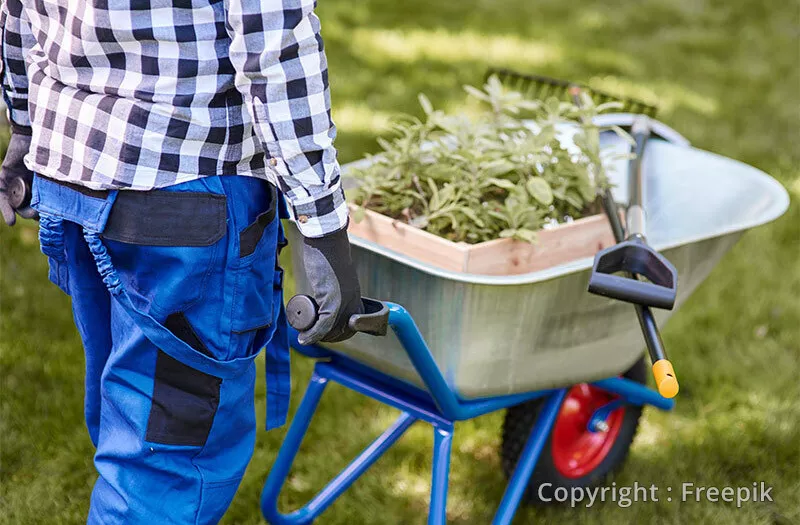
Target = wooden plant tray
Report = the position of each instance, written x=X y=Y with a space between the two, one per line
x=561 y=244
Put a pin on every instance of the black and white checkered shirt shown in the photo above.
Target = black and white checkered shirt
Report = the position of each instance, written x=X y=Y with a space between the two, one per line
x=142 y=94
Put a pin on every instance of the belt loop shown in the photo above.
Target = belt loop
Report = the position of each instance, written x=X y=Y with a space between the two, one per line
x=105 y=211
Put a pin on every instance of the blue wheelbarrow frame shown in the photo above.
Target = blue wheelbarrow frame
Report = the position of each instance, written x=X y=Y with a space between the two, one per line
x=752 y=198
x=437 y=405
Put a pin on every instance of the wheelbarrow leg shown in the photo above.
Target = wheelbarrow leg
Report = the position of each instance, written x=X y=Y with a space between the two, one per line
x=442 y=443
x=288 y=451
x=527 y=461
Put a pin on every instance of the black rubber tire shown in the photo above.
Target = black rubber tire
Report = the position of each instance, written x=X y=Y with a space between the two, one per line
x=517 y=428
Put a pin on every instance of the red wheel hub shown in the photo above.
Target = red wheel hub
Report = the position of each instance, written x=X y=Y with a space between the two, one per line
x=576 y=450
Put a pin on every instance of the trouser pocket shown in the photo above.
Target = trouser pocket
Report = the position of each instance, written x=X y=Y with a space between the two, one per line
x=184 y=403
x=165 y=245
x=254 y=264
x=51 y=240
x=185 y=400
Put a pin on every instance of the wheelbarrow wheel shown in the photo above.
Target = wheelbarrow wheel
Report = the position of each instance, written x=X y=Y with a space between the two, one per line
x=573 y=455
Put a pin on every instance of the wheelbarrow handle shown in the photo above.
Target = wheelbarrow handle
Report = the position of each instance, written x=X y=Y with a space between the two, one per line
x=302 y=312
x=19 y=193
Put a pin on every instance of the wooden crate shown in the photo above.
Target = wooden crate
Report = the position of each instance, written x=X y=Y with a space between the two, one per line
x=559 y=245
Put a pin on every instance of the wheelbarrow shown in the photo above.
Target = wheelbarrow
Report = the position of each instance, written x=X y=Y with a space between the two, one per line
x=566 y=364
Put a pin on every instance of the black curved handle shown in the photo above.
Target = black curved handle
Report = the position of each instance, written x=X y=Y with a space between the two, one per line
x=632 y=290
x=302 y=312
x=634 y=257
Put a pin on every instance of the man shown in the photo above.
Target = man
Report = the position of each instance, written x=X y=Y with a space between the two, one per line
x=158 y=131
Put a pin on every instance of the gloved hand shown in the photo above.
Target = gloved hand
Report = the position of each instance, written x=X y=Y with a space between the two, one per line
x=334 y=284
x=15 y=178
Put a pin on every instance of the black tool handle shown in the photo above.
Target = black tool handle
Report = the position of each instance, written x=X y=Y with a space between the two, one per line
x=302 y=312
x=664 y=374
x=631 y=290
x=635 y=258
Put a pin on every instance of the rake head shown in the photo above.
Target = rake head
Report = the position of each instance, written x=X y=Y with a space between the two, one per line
x=540 y=88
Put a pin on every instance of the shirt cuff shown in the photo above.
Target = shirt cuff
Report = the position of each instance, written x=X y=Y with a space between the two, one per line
x=320 y=215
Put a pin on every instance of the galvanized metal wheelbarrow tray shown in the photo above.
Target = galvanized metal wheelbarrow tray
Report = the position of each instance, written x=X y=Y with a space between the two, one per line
x=495 y=335
x=464 y=345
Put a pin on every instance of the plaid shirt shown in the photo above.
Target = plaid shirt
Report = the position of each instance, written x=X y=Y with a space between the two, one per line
x=142 y=94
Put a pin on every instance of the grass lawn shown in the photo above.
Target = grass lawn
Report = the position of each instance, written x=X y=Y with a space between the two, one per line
x=725 y=74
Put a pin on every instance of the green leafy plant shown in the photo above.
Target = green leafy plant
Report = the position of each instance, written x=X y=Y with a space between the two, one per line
x=500 y=173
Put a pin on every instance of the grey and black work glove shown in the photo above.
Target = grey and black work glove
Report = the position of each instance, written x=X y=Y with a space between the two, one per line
x=15 y=178
x=334 y=284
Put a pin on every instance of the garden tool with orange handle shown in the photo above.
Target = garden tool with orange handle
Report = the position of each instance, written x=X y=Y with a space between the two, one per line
x=634 y=258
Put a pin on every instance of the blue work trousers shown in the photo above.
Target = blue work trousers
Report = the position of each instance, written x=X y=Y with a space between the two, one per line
x=174 y=292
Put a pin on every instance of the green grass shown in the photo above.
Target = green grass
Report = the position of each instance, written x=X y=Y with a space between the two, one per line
x=726 y=75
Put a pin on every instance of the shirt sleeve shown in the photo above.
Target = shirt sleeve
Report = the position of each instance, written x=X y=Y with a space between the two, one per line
x=15 y=43
x=282 y=73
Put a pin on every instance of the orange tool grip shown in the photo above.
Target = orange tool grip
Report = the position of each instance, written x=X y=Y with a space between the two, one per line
x=666 y=382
